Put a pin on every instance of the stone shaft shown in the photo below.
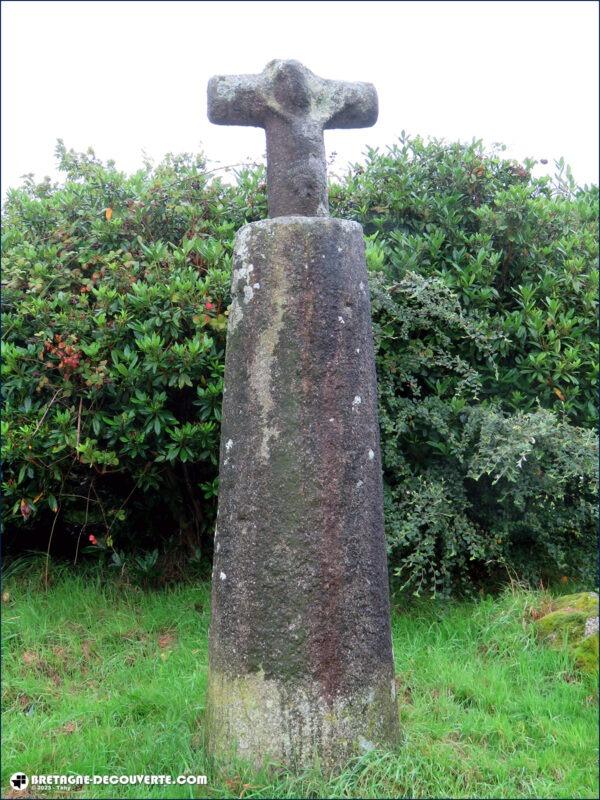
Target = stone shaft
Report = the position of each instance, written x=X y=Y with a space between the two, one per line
x=300 y=646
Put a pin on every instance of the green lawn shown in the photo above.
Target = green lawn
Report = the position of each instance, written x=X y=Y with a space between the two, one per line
x=105 y=679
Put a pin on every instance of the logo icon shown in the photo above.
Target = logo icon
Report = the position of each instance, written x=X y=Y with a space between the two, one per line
x=19 y=781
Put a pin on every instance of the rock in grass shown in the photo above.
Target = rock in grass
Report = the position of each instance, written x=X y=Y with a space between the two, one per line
x=573 y=621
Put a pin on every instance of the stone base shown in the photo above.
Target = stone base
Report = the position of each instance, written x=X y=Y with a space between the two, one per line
x=300 y=645
x=264 y=721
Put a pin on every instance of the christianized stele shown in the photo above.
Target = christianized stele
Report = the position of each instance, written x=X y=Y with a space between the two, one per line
x=300 y=652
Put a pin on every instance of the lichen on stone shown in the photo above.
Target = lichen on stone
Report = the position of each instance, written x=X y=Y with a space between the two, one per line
x=242 y=289
x=300 y=657
x=264 y=355
x=267 y=721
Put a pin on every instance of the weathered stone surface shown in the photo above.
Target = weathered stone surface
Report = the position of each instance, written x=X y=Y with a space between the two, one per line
x=294 y=106
x=300 y=645
x=572 y=621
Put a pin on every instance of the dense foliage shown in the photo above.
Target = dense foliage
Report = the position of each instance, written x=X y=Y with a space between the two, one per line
x=484 y=297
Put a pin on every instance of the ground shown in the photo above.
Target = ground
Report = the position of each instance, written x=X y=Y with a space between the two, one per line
x=101 y=678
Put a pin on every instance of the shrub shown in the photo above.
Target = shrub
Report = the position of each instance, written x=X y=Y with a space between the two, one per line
x=483 y=285
x=115 y=301
x=519 y=254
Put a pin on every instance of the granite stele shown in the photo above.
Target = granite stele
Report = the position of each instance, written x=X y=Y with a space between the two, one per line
x=300 y=666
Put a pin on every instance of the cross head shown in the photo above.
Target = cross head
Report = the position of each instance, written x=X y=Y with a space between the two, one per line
x=294 y=106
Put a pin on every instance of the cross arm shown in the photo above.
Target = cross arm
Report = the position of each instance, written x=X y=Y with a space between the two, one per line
x=236 y=100
x=351 y=105
x=293 y=106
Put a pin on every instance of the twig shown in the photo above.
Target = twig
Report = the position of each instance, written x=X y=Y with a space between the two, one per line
x=101 y=506
x=87 y=506
x=49 y=543
x=127 y=498
x=80 y=497
x=39 y=425
x=197 y=508
x=79 y=422
x=60 y=494
x=233 y=166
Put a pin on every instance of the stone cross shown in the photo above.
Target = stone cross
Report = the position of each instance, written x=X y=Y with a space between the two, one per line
x=300 y=651
x=294 y=106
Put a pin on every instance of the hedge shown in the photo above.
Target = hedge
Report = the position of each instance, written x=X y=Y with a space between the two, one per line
x=484 y=296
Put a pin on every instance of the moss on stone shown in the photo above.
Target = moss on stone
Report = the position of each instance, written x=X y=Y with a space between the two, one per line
x=583 y=601
x=586 y=654
x=562 y=626
x=565 y=625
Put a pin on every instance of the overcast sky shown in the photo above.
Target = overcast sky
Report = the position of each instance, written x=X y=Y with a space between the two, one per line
x=130 y=76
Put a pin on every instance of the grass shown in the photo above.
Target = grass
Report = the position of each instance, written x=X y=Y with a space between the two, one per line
x=105 y=679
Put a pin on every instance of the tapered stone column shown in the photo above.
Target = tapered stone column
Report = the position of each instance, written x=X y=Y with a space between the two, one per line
x=300 y=646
